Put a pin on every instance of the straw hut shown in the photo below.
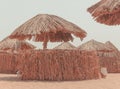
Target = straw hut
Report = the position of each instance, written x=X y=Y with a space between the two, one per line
x=115 y=53
x=106 y=11
x=93 y=45
x=8 y=44
x=111 y=60
x=10 y=58
x=45 y=28
x=65 y=45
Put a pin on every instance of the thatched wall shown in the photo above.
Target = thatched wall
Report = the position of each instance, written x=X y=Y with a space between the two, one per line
x=110 y=60
x=59 y=65
x=9 y=62
x=111 y=63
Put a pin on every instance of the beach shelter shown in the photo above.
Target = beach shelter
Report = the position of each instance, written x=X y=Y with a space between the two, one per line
x=48 y=28
x=65 y=45
x=9 y=60
x=14 y=44
x=94 y=45
x=106 y=12
x=111 y=60
x=106 y=54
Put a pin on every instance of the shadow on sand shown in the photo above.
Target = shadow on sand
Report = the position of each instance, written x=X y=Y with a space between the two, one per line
x=14 y=78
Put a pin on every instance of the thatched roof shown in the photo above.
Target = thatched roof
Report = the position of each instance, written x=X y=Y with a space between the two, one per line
x=65 y=45
x=114 y=53
x=104 y=7
x=106 y=12
x=93 y=45
x=15 y=44
x=109 y=19
x=110 y=45
x=45 y=28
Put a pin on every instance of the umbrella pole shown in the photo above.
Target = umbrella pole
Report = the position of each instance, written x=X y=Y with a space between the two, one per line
x=45 y=45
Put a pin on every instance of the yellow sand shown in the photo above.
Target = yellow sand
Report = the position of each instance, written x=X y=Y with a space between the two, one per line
x=11 y=82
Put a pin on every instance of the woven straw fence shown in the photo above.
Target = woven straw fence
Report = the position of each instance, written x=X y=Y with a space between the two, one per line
x=59 y=65
x=112 y=64
x=9 y=62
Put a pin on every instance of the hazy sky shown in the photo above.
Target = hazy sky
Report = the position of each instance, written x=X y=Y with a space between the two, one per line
x=15 y=12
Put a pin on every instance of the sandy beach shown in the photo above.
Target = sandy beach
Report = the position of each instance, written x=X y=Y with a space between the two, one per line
x=8 y=81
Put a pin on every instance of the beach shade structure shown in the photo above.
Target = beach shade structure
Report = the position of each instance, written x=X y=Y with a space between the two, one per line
x=108 y=57
x=109 y=19
x=10 y=58
x=110 y=60
x=106 y=12
x=48 y=28
x=93 y=45
x=65 y=45
x=14 y=44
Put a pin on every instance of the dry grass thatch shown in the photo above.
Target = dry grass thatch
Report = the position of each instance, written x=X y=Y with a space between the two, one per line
x=14 y=44
x=111 y=45
x=106 y=12
x=65 y=45
x=9 y=62
x=105 y=7
x=93 y=45
x=112 y=64
x=107 y=53
x=44 y=28
x=109 y=19
x=115 y=53
x=110 y=60
x=59 y=65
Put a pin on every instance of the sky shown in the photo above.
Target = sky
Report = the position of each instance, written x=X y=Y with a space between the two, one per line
x=13 y=13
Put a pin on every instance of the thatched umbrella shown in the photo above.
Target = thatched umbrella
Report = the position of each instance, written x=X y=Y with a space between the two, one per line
x=109 y=19
x=106 y=11
x=45 y=28
x=93 y=45
x=65 y=45
x=15 y=44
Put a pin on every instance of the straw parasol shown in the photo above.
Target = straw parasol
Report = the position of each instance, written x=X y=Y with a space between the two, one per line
x=109 y=19
x=65 y=45
x=45 y=28
x=14 y=44
x=105 y=7
x=106 y=11
x=93 y=45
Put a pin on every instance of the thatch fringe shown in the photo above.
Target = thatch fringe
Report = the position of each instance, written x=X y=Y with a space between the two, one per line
x=109 y=19
x=104 y=7
x=106 y=12
x=45 y=28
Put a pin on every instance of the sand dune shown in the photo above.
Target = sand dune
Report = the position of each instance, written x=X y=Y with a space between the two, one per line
x=12 y=82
